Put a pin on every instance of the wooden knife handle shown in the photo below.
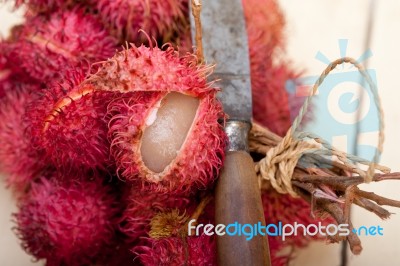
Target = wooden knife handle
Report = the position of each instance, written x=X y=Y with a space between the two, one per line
x=238 y=199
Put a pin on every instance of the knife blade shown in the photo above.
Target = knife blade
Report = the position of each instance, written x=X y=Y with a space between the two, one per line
x=225 y=43
x=237 y=194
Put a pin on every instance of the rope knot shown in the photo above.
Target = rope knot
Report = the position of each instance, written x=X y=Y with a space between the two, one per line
x=280 y=161
x=279 y=164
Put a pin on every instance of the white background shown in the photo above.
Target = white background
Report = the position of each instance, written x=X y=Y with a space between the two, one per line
x=312 y=26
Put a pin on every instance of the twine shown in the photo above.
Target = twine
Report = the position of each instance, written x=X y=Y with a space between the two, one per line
x=280 y=161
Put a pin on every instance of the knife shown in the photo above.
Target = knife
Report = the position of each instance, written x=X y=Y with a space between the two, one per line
x=237 y=193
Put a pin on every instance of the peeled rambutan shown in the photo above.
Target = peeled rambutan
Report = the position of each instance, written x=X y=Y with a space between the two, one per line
x=160 y=19
x=164 y=130
x=46 y=45
x=66 y=220
x=199 y=250
x=68 y=123
x=18 y=160
x=179 y=164
x=141 y=208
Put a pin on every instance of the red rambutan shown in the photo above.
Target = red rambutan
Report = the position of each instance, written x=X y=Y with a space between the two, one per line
x=68 y=123
x=279 y=208
x=18 y=160
x=46 y=6
x=265 y=24
x=11 y=74
x=183 y=42
x=160 y=19
x=5 y=74
x=46 y=45
x=199 y=250
x=288 y=210
x=66 y=221
x=167 y=133
x=117 y=253
x=141 y=208
x=273 y=106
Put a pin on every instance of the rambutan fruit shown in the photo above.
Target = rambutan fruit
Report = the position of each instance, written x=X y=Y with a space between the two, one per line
x=200 y=250
x=160 y=19
x=167 y=133
x=183 y=42
x=265 y=23
x=18 y=160
x=195 y=250
x=68 y=123
x=116 y=254
x=46 y=45
x=66 y=220
x=3 y=58
x=5 y=74
x=273 y=106
x=288 y=210
x=11 y=75
x=279 y=208
x=141 y=208
x=173 y=152
x=47 y=6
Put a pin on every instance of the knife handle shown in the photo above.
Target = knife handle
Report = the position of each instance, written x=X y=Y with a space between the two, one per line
x=238 y=199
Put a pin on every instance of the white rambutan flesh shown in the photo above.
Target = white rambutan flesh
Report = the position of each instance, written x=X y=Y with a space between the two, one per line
x=182 y=148
x=168 y=126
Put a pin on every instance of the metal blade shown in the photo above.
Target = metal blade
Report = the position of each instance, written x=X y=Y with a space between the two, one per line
x=225 y=44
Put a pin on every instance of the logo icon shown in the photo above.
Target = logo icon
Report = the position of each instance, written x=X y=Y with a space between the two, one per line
x=337 y=106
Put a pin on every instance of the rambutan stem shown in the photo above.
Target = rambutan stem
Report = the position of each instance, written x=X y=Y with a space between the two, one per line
x=378 y=199
x=64 y=102
x=336 y=212
x=196 y=11
x=372 y=207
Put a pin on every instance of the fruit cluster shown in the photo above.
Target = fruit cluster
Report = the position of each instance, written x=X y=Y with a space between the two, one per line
x=96 y=139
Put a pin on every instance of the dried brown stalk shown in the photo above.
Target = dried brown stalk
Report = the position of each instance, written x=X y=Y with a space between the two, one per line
x=196 y=11
x=329 y=190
